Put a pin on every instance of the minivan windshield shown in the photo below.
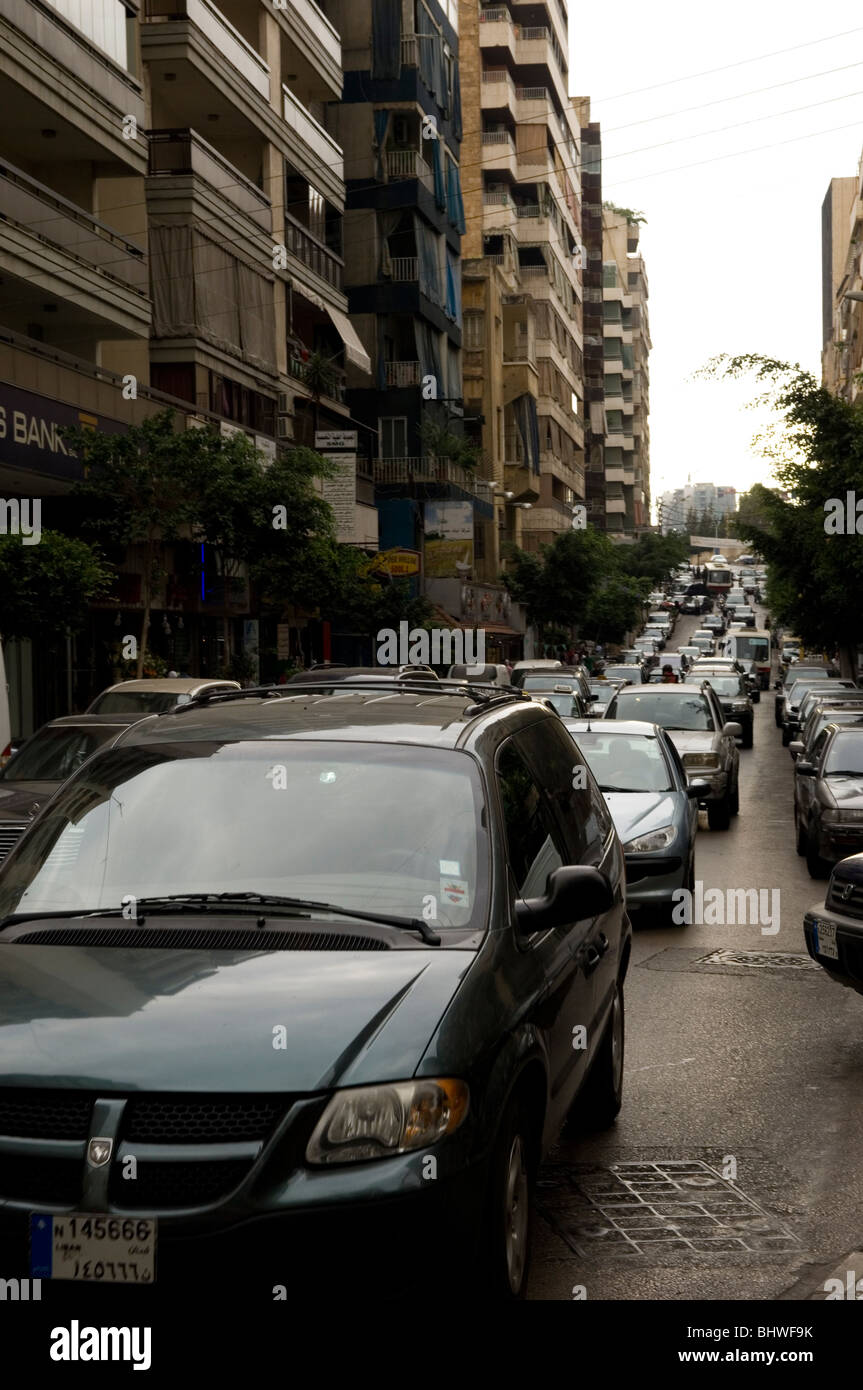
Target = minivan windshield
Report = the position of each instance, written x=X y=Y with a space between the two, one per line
x=386 y=828
x=672 y=710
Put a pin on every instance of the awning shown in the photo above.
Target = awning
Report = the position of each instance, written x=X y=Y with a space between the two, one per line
x=354 y=350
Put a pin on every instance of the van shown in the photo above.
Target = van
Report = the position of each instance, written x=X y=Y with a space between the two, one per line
x=748 y=646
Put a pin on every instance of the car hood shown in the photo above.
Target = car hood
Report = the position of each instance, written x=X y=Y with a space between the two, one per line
x=847 y=792
x=637 y=813
x=692 y=740
x=122 y=1018
x=18 y=799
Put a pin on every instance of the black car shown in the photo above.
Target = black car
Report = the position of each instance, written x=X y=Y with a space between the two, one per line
x=834 y=928
x=735 y=696
x=332 y=969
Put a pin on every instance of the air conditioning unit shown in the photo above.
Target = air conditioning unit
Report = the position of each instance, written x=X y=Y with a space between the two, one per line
x=284 y=427
x=286 y=403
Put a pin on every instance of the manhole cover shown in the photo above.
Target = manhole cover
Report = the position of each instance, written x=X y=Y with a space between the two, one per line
x=677 y=1207
x=759 y=960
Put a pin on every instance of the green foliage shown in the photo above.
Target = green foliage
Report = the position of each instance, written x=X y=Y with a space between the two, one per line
x=816 y=453
x=441 y=442
x=653 y=556
x=46 y=588
x=625 y=212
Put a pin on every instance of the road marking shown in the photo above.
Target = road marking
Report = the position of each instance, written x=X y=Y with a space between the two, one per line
x=654 y=1066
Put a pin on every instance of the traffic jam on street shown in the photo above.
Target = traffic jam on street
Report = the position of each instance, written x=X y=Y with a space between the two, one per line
x=431 y=853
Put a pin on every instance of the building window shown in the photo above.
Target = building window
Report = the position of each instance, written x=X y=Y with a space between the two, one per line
x=609 y=276
x=613 y=347
x=474 y=329
x=393 y=436
x=615 y=421
x=613 y=384
x=611 y=311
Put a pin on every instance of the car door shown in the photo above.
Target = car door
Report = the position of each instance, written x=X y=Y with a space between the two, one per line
x=536 y=846
x=804 y=786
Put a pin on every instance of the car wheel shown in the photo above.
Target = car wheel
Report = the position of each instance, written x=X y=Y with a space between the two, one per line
x=786 y=735
x=748 y=736
x=689 y=885
x=509 y=1223
x=818 y=867
x=735 y=797
x=801 y=837
x=719 y=814
x=778 y=718
x=598 y=1103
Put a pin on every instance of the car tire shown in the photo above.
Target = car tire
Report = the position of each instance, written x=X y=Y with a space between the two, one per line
x=777 y=717
x=598 y=1103
x=786 y=735
x=689 y=885
x=818 y=867
x=719 y=813
x=800 y=837
x=507 y=1241
x=748 y=733
x=735 y=797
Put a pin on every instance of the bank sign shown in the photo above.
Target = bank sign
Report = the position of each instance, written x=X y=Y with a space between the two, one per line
x=31 y=429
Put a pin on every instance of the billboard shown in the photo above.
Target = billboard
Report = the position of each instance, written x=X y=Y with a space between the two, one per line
x=448 y=540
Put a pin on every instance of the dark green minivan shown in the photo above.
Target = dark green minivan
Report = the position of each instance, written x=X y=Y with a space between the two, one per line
x=295 y=981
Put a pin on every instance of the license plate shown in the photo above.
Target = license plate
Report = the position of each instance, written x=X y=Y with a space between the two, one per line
x=87 y=1247
x=824 y=934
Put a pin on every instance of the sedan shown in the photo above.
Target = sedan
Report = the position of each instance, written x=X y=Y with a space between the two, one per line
x=834 y=821
x=834 y=928
x=45 y=760
x=604 y=697
x=735 y=697
x=624 y=675
x=654 y=808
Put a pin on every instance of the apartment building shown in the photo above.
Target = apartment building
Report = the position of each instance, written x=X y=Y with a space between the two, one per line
x=626 y=337
x=594 y=355
x=173 y=201
x=842 y=285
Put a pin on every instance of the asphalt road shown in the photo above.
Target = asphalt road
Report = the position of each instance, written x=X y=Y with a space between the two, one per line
x=733 y=1170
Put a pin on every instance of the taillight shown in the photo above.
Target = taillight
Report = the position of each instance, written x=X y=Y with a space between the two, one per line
x=6 y=755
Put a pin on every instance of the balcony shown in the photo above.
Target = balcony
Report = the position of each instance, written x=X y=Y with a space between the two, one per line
x=312 y=253
x=409 y=51
x=499 y=152
x=184 y=154
x=409 y=164
x=496 y=29
x=299 y=370
x=405 y=472
x=62 y=251
x=202 y=19
x=402 y=373
x=320 y=147
x=404 y=269
x=315 y=38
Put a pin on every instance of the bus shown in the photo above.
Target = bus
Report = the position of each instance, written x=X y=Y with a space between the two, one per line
x=718 y=577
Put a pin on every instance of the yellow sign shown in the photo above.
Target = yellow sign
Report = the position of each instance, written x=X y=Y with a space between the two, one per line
x=399 y=563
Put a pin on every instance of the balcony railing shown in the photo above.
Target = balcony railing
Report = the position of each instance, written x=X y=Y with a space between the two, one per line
x=531 y=93
x=529 y=210
x=335 y=392
x=496 y=199
x=496 y=75
x=535 y=31
x=184 y=152
x=408 y=164
x=409 y=52
x=495 y=14
x=221 y=33
x=533 y=272
x=402 y=373
x=404 y=268
x=310 y=251
x=313 y=135
x=60 y=223
x=404 y=472
x=498 y=137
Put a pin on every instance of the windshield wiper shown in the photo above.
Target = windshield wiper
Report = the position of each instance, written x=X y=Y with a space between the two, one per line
x=203 y=902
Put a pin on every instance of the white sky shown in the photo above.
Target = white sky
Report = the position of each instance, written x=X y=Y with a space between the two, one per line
x=732 y=248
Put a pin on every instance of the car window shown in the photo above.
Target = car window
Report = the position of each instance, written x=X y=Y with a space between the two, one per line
x=671 y=711
x=534 y=843
x=625 y=762
x=818 y=745
x=135 y=701
x=584 y=823
x=844 y=756
x=52 y=755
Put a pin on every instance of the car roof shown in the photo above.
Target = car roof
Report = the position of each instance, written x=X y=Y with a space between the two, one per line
x=686 y=686
x=89 y=721
x=180 y=685
x=373 y=673
x=614 y=726
x=439 y=718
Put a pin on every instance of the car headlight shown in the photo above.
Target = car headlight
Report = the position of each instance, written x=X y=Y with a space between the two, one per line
x=842 y=817
x=653 y=840
x=378 y=1121
x=701 y=760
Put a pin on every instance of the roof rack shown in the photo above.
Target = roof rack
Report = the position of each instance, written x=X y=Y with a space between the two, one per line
x=483 y=695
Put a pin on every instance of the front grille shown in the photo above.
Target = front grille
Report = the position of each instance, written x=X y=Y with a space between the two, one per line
x=41 y=1181
x=854 y=906
x=162 y=1184
x=10 y=833
x=182 y=1119
x=34 y=1114
x=200 y=939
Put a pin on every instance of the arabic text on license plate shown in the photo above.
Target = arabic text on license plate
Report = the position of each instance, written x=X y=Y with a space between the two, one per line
x=88 y=1247
x=825 y=940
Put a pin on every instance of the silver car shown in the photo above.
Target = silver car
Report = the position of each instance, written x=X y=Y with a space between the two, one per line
x=834 y=824
x=694 y=719
x=653 y=806
x=156 y=695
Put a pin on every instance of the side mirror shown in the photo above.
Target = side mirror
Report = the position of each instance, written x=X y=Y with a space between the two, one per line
x=804 y=768
x=573 y=892
x=777 y=685
x=698 y=789
x=732 y=730
x=796 y=748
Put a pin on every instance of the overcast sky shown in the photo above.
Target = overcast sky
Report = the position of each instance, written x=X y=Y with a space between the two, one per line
x=733 y=247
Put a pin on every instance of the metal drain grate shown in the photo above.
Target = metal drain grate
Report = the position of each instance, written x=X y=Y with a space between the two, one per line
x=671 y=1207
x=759 y=960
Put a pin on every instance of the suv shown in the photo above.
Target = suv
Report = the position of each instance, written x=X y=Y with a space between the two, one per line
x=693 y=717
x=834 y=928
x=829 y=817
x=316 y=942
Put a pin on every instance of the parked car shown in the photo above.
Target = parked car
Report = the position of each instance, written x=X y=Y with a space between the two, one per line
x=821 y=694
x=706 y=742
x=793 y=697
x=655 y=808
x=834 y=928
x=829 y=814
x=800 y=672
x=156 y=695
x=807 y=752
x=44 y=761
x=372 y=935
x=821 y=713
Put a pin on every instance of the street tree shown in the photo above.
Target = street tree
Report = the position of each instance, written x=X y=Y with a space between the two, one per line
x=47 y=588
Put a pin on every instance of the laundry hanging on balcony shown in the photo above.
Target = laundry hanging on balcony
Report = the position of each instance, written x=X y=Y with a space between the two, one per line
x=429 y=265
x=386 y=39
x=528 y=427
x=383 y=122
x=453 y=288
x=427 y=351
x=454 y=198
x=437 y=167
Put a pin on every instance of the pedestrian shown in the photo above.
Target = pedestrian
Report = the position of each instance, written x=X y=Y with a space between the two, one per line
x=668 y=676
